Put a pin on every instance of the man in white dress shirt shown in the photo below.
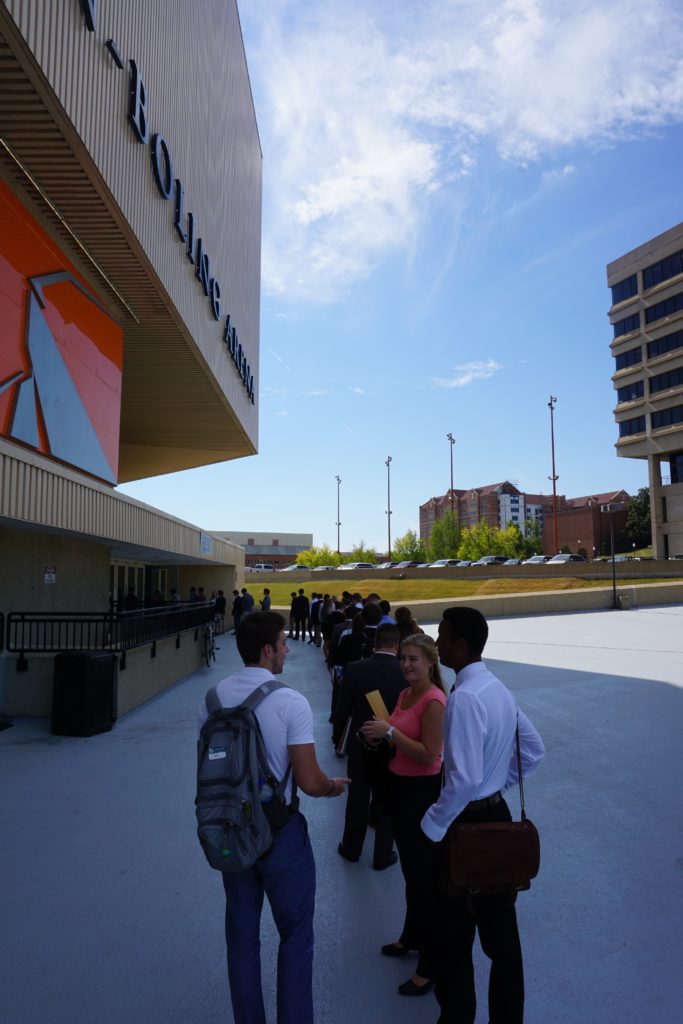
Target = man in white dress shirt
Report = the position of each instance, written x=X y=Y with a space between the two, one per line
x=480 y=762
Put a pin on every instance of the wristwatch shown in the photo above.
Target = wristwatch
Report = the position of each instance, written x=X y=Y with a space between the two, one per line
x=389 y=733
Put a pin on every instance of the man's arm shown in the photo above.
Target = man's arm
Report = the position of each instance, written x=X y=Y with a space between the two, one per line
x=309 y=776
x=531 y=751
x=342 y=708
x=464 y=758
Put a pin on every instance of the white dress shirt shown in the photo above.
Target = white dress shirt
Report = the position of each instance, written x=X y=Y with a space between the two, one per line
x=480 y=756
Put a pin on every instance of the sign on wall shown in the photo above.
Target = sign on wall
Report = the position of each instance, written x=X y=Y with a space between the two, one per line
x=61 y=354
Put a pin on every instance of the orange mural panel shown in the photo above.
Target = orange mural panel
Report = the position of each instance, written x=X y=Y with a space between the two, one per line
x=61 y=352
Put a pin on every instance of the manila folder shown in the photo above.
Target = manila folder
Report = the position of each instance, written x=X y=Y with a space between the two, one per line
x=379 y=708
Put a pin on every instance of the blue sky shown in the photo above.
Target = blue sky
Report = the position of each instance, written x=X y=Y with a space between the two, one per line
x=444 y=184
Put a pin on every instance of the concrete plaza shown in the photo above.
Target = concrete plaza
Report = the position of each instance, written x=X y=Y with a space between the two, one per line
x=110 y=914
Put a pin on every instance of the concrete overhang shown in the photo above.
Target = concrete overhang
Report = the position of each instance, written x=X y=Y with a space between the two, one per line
x=181 y=406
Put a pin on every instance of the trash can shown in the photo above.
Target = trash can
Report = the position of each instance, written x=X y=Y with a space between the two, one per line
x=84 y=693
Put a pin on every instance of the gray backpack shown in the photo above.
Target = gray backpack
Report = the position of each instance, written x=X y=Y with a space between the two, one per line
x=239 y=803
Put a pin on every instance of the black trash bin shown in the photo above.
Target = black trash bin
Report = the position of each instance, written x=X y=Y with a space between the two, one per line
x=84 y=693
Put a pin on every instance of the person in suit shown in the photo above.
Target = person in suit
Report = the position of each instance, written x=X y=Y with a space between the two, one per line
x=300 y=608
x=380 y=672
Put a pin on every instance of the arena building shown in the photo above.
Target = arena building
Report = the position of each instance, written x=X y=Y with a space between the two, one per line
x=130 y=240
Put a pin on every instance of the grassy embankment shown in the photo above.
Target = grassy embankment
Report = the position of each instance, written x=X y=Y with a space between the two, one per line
x=405 y=591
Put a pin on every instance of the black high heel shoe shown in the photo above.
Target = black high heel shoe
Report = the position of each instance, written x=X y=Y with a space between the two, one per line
x=409 y=988
x=392 y=949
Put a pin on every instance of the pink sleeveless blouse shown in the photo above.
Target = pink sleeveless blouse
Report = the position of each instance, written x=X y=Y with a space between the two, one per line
x=410 y=724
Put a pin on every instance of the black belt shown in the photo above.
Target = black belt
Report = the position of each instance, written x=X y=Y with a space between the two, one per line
x=486 y=801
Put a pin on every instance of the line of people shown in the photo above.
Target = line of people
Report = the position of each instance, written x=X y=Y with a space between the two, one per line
x=435 y=759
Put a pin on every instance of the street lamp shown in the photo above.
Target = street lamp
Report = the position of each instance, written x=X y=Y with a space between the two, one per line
x=338 y=523
x=554 y=477
x=613 y=507
x=388 y=511
x=451 y=441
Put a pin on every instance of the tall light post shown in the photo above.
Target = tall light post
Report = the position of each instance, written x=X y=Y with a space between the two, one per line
x=338 y=523
x=451 y=442
x=388 y=511
x=554 y=477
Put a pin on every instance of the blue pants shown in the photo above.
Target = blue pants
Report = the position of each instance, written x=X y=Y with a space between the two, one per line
x=287 y=877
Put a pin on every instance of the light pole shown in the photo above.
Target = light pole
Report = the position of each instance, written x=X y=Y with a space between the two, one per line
x=388 y=511
x=338 y=523
x=451 y=441
x=612 y=508
x=554 y=477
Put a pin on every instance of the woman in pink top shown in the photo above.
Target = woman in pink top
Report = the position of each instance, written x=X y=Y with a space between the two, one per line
x=416 y=730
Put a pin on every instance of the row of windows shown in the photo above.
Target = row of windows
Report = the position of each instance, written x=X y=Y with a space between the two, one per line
x=671 y=379
x=663 y=270
x=630 y=358
x=666 y=344
x=667 y=417
x=625 y=289
x=664 y=418
x=676 y=467
x=630 y=323
x=633 y=426
x=665 y=308
x=631 y=391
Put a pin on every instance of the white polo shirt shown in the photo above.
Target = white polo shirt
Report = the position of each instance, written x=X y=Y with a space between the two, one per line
x=284 y=717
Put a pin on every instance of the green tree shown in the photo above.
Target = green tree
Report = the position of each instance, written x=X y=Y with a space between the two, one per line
x=533 y=540
x=318 y=556
x=362 y=554
x=638 y=524
x=409 y=548
x=477 y=541
x=444 y=540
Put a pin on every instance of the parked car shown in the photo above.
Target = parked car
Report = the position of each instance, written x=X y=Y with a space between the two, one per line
x=422 y=565
x=441 y=563
x=407 y=565
x=463 y=564
x=296 y=568
x=562 y=559
x=263 y=567
x=513 y=561
x=324 y=568
x=357 y=565
x=674 y=558
x=536 y=560
x=386 y=565
x=491 y=560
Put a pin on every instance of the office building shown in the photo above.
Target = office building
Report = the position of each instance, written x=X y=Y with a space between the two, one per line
x=646 y=316
x=276 y=549
x=130 y=238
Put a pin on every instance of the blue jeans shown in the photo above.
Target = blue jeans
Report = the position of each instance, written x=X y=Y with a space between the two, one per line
x=287 y=877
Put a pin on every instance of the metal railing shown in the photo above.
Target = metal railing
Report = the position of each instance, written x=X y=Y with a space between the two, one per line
x=50 y=633
x=2 y=632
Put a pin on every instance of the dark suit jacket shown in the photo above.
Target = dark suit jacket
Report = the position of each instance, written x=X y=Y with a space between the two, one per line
x=380 y=672
x=300 y=607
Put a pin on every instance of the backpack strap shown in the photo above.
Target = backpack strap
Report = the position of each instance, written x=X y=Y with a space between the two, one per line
x=213 y=704
x=252 y=702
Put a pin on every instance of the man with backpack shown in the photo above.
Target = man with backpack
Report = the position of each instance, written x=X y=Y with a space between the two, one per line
x=286 y=872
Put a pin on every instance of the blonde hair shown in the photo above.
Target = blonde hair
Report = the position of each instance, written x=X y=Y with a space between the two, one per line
x=426 y=644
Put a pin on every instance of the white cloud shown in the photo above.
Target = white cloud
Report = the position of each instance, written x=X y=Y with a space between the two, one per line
x=367 y=109
x=357 y=391
x=314 y=394
x=467 y=373
x=282 y=412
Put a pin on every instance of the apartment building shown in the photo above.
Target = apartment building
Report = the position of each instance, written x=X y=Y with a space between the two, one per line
x=501 y=504
x=646 y=316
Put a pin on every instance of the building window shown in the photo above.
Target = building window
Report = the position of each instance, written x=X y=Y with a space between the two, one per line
x=665 y=308
x=672 y=379
x=676 y=467
x=631 y=391
x=663 y=270
x=633 y=426
x=667 y=417
x=630 y=358
x=631 y=323
x=250 y=540
x=625 y=289
x=668 y=343
x=276 y=542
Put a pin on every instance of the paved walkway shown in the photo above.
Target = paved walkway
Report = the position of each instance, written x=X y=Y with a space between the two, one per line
x=111 y=916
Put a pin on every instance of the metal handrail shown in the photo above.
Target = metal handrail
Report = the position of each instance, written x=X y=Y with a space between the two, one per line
x=2 y=631
x=49 y=633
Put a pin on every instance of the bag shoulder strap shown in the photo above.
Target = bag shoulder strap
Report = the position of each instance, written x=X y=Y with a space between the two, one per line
x=519 y=771
x=252 y=701
x=213 y=703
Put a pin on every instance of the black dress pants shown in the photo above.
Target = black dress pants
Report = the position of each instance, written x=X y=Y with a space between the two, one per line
x=495 y=919
x=409 y=798
x=358 y=799
x=300 y=627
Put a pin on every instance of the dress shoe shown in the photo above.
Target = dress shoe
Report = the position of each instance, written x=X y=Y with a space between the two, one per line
x=393 y=857
x=391 y=949
x=351 y=860
x=409 y=988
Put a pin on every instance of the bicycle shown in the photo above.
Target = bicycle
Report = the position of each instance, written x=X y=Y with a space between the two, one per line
x=209 y=644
